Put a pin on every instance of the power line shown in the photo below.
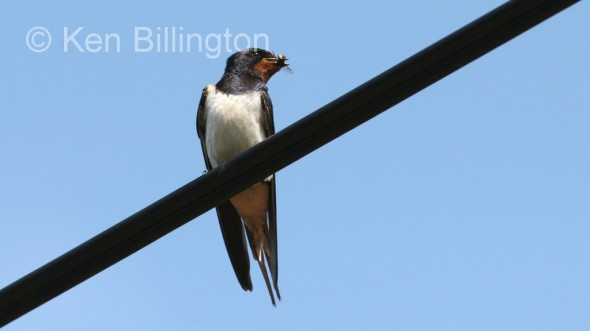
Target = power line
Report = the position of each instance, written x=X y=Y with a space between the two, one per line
x=287 y=146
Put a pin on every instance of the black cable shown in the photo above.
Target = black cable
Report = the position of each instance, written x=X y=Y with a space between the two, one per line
x=273 y=154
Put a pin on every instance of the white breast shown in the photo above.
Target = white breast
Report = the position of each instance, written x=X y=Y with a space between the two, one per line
x=233 y=124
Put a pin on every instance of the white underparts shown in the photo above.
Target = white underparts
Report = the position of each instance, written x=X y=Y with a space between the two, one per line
x=234 y=124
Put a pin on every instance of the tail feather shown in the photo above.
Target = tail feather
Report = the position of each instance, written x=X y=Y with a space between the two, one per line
x=257 y=209
x=272 y=236
x=258 y=246
x=260 y=260
x=270 y=256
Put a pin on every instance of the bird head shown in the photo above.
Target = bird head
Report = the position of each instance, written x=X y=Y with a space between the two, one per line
x=256 y=61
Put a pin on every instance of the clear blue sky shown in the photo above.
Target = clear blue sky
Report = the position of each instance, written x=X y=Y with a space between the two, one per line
x=466 y=207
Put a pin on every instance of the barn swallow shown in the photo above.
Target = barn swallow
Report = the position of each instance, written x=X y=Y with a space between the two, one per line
x=234 y=115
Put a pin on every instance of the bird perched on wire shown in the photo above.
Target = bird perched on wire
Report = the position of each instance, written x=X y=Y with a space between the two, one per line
x=234 y=115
